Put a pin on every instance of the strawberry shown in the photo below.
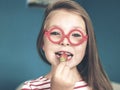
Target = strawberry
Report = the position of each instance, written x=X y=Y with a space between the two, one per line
x=63 y=57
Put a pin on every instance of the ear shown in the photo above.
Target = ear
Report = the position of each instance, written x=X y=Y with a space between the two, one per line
x=43 y=47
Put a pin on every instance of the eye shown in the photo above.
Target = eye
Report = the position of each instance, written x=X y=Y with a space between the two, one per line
x=76 y=35
x=54 y=33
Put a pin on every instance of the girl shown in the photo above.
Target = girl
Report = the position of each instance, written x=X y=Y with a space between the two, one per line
x=67 y=42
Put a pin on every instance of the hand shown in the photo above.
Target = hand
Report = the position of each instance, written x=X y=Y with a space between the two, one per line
x=63 y=78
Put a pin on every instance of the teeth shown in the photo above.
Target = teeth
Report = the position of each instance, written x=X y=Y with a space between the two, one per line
x=69 y=55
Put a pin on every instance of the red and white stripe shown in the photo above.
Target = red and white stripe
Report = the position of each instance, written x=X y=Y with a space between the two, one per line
x=43 y=83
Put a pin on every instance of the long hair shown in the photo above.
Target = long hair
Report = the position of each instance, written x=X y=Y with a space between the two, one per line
x=90 y=68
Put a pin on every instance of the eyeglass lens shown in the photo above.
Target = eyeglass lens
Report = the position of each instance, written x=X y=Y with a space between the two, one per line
x=57 y=35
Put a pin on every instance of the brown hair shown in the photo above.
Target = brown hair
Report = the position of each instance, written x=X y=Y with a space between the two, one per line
x=90 y=68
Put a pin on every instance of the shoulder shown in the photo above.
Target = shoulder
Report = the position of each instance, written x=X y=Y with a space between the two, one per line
x=39 y=83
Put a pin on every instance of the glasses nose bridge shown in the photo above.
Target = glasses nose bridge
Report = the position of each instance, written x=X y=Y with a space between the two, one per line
x=65 y=40
x=66 y=36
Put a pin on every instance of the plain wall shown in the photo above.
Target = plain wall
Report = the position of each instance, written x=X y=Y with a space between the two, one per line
x=19 y=27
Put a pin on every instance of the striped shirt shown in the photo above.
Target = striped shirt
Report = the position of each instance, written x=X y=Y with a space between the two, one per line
x=43 y=83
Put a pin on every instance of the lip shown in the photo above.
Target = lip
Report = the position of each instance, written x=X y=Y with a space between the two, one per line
x=58 y=54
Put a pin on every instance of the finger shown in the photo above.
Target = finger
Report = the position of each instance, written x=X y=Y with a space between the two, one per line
x=68 y=75
x=60 y=67
x=66 y=71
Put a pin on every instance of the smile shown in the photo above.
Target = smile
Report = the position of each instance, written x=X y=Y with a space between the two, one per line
x=60 y=53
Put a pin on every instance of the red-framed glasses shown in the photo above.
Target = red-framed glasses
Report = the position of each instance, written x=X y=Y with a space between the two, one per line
x=56 y=35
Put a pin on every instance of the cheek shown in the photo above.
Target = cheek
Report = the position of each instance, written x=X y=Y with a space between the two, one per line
x=49 y=52
x=47 y=44
x=80 y=51
x=78 y=57
x=48 y=47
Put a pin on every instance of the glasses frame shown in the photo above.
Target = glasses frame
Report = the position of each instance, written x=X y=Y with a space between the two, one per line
x=47 y=34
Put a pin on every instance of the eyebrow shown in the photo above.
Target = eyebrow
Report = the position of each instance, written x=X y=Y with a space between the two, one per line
x=80 y=28
x=53 y=26
x=75 y=27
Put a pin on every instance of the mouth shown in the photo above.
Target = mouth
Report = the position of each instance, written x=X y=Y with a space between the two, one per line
x=60 y=53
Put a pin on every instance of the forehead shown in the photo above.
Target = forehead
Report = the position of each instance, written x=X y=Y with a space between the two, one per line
x=64 y=18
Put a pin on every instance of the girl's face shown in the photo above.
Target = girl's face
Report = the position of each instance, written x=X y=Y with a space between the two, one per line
x=66 y=22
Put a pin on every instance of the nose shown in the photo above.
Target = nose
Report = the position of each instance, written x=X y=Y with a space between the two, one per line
x=65 y=42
